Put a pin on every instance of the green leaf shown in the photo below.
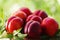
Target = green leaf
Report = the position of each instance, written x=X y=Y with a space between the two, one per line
x=17 y=38
x=21 y=35
x=4 y=39
x=6 y=35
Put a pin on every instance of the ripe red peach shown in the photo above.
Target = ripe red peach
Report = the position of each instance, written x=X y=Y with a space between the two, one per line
x=26 y=10
x=7 y=23
x=34 y=17
x=26 y=27
x=20 y=14
x=40 y=13
x=14 y=24
x=36 y=12
x=29 y=17
x=33 y=29
x=50 y=26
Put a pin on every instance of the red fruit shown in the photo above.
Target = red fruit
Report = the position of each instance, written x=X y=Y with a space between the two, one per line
x=20 y=14
x=50 y=26
x=14 y=24
x=7 y=23
x=26 y=10
x=26 y=26
x=29 y=17
x=34 y=17
x=32 y=28
x=37 y=12
x=40 y=13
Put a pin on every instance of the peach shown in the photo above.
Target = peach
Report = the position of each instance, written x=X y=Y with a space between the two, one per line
x=33 y=29
x=34 y=17
x=7 y=23
x=20 y=14
x=50 y=26
x=14 y=24
x=29 y=17
x=26 y=10
x=40 y=13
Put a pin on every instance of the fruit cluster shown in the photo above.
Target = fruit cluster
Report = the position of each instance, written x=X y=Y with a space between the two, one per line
x=32 y=23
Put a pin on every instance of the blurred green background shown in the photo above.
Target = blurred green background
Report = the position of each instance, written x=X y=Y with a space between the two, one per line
x=52 y=7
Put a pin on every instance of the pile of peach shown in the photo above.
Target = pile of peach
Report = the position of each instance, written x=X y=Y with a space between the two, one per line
x=32 y=23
